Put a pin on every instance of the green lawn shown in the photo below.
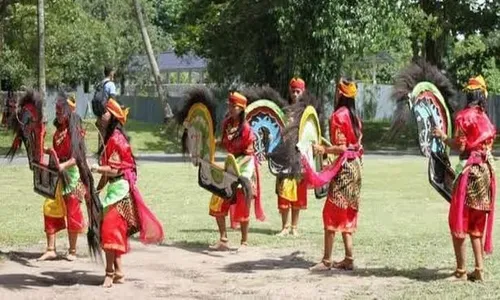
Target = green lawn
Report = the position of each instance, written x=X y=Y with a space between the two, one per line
x=403 y=229
x=145 y=137
x=159 y=138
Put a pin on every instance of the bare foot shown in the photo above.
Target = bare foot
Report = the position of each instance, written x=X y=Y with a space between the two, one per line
x=48 y=255
x=119 y=278
x=243 y=247
x=458 y=275
x=71 y=255
x=324 y=265
x=220 y=246
x=283 y=232
x=346 y=264
x=108 y=280
x=477 y=275
x=294 y=231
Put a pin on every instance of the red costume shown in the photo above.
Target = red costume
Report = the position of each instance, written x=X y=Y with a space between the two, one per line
x=241 y=145
x=340 y=212
x=125 y=212
x=72 y=194
x=473 y=199
x=295 y=199
x=114 y=228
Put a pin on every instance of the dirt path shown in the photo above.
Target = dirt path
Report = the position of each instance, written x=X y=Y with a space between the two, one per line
x=177 y=272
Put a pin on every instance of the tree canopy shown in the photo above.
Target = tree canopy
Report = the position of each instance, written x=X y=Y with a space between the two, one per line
x=257 y=41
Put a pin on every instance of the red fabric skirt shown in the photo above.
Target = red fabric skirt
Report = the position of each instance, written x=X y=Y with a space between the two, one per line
x=339 y=219
x=301 y=203
x=114 y=232
x=240 y=209
x=74 y=220
x=474 y=223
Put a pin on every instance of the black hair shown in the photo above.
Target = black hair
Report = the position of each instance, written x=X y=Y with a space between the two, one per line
x=112 y=125
x=241 y=122
x=476 y=98
x=350 y=104
x=107 y=70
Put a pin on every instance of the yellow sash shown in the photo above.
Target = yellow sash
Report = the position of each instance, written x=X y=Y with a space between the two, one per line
x=216 y=203
x=55 y=208
x=288 y=189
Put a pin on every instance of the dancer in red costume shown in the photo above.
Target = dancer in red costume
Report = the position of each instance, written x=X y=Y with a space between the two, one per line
x=65 y=211
x=238 y=139
x=125 y=212
x=340 y=212
x=292 y=192
x=473 y=199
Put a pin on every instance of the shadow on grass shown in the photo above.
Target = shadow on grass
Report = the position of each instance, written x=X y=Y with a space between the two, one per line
x=292 y=261
x=418 y=274
x=48 y=279
x=194 y=247
x=23 y=258
x=264 y=231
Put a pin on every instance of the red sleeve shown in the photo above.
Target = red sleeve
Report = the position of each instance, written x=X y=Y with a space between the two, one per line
x=337 y=136
x=118 y=154
x=247 y=139
x=113 y=153
x=460 y=137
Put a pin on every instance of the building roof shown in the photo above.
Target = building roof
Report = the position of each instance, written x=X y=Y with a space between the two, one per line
x=169 y=61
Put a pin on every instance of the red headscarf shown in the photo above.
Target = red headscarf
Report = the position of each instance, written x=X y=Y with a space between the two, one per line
x=297 y=83
x=116 y=110
x=347 y=88
x=238 y=99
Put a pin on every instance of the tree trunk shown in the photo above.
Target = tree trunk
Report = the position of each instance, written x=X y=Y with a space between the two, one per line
x=152 y=60
x=41 y=51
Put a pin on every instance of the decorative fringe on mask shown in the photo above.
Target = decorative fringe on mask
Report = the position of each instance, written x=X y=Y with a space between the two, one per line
x=196 y=95
x=405 y=82
x=255 y=93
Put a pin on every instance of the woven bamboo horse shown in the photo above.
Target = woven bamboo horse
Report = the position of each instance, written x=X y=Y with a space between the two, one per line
x=29 y=129
x=198 y=141
x=428 y=94
x=302 y=131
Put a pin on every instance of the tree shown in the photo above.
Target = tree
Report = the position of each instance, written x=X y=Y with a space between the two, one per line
x=436 y=24
x=310 y=39
x=151 y=57
x=41 y=48
x=474 y=55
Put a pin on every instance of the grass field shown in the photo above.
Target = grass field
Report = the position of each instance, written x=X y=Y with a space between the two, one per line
x=145 y=137
x=402 y=233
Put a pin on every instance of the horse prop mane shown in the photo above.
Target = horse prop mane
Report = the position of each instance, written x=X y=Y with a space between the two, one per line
x=29 y=129
x=198 y=141
x=428 y=94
